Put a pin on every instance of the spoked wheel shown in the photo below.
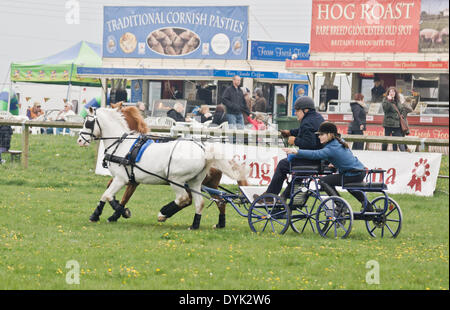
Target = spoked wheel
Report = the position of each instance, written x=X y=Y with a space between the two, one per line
x=388 y=223
x=269 y=213
x=304 y=207
x=334 y=218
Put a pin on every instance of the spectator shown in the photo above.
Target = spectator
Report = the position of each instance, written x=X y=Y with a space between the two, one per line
x=377 y=91
x=35 y=111
x=391 y=121
x=358 y=125
x=62 y=116
x=204 y=113
x=248 y=102
x=260 y=102
x=176 y=93
x=204 y=92
x=220 y=116
x=67 y=111
x=405 y=109
x=177 y=113
x=257 y=122
x=233 y=99
x=5 y=140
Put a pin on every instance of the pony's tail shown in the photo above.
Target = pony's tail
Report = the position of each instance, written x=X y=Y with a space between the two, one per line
x=232 y=169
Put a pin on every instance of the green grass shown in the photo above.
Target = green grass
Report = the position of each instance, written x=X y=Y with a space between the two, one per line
x=44 y=224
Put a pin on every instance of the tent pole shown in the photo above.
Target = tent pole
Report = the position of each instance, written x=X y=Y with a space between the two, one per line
x=70 y=83
x=104 y=92
x=9 y=96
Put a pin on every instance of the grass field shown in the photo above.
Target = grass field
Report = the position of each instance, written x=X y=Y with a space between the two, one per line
x=44 y=228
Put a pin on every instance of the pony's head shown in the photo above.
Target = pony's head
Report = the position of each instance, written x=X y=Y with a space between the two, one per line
x=102 y=121
x=91 y=128
x=241 y=171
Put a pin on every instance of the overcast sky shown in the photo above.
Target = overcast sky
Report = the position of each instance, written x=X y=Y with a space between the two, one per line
x=32 y=29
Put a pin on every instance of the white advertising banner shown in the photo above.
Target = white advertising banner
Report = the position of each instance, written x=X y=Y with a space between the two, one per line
x=406 y=173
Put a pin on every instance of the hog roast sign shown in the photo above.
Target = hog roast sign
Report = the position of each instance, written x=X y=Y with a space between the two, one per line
x=380 y=26
x=218 y=32
x=383 y=26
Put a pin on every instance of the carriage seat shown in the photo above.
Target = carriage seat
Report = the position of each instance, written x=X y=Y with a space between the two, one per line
x=365 y=185
x=305 y=170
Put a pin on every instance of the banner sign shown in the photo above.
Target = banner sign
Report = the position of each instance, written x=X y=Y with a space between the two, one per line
x=212 y=32
x=50 y=74
x=278 y=51
x=406 y=173
x=300 y=90
x=136 y=90
x=373 y=66
x=138 y=72
x=368 y=26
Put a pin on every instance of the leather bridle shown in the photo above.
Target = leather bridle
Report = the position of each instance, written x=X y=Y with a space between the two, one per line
x=90 y=124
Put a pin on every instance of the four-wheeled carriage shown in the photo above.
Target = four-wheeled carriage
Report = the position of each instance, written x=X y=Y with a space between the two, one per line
x=303 y=206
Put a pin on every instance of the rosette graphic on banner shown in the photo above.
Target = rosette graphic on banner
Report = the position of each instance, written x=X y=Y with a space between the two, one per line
x=420 y=173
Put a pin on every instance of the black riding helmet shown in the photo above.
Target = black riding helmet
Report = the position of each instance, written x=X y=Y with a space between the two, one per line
x=327 y=127
x=304 y=103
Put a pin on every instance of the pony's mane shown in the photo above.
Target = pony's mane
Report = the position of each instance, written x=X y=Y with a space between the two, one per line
x=116 y=115
x=135 y=120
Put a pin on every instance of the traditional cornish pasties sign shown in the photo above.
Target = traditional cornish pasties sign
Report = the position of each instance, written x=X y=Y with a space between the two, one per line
x=214 y=32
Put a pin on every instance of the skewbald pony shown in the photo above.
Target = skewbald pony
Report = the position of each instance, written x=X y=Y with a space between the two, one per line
x=133 y=117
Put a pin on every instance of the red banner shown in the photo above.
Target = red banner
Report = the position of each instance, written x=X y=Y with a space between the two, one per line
x=367 y=26
x=372 y=66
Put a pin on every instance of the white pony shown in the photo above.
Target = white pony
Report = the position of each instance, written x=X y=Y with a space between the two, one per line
x=183 y=162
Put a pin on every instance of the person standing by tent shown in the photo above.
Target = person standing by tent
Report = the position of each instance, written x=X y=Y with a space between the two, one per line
x=5 y=140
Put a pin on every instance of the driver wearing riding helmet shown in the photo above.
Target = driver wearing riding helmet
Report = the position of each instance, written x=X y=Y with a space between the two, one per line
x=304 y=137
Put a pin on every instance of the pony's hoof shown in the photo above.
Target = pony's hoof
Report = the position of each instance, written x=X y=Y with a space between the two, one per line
x=94 y=219
x=112 y=219
x=217 y=226
x=161 y=217
x=193 y=228
x=126 y=213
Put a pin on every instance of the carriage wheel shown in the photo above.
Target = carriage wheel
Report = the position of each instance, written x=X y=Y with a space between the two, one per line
x=334 y=218
x=269 y=213
x=304 y=210
x=389 y=223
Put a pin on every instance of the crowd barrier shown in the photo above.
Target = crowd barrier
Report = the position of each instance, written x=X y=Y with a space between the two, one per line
x=227 y=135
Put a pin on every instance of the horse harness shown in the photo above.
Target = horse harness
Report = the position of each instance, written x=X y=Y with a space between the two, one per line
x=136 y=150
x=134 y=154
